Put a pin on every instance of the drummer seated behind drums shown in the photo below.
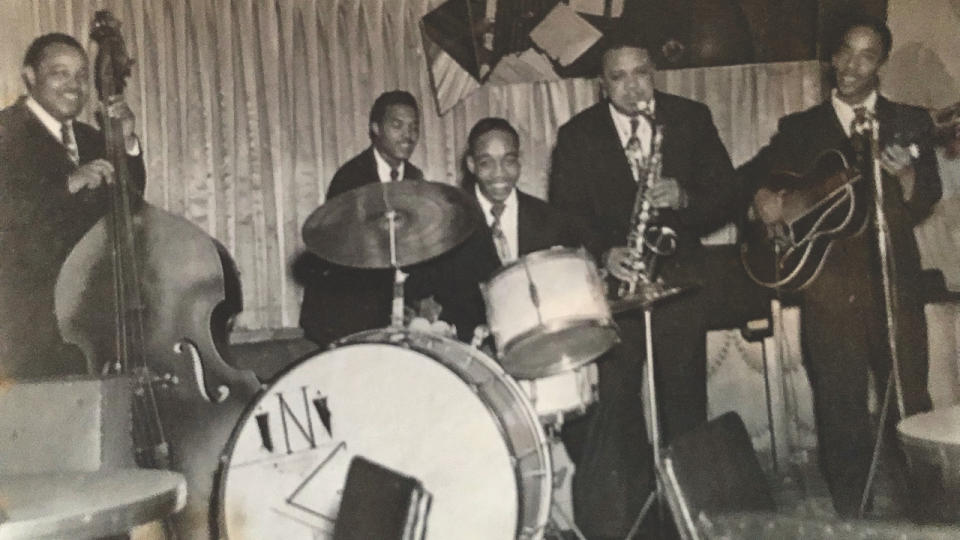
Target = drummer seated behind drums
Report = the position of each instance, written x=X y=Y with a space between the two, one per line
x=51 y=193
x=516 y=224
x=339 y=301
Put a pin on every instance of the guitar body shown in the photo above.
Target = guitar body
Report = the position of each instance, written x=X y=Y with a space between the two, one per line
x=817 y=208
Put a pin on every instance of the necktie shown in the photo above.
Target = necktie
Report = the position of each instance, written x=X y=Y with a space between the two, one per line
x=862 y=121
x=394 y=174
x=633 y=149
x=861 y=129
x=499 y=239
x=66 y=134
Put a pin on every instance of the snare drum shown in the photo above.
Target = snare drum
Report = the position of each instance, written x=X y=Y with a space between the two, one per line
x=422 y=405
x=563 y=396
x=548 y=314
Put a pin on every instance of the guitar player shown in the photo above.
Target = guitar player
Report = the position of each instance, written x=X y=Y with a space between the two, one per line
x=843 y=317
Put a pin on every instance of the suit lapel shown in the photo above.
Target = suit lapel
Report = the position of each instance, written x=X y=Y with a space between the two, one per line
x=891 y=124
x=614 y=186
x=526 y=225
x=832 y=132
x=370 y=166
x=48 y=145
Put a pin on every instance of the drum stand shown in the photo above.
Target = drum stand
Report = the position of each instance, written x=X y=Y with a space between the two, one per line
x=399 y=276
x=553 y=439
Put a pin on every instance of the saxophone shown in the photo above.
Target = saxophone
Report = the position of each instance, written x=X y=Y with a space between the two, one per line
x=647 y=239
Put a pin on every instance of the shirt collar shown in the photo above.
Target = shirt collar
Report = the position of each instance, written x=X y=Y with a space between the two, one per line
x=383 y=168
x=845 y=112
x=622 y=122
x=53 y=125
x=870 y=102
x=509 y=204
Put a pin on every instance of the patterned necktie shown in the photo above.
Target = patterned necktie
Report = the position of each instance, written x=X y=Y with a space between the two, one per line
x=861 y=129
x=499 y=239
x=394 y=174
x=66 y=134
x=633 y=149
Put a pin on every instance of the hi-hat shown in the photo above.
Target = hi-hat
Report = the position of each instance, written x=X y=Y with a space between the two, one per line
x=353 y=228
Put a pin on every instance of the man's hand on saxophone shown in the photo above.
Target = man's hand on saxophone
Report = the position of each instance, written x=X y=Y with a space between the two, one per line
x=620 y=263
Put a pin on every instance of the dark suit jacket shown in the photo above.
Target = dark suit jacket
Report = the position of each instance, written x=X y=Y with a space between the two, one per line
x=851 y=269
x=362 y=170
x=337 y=300
x=803 y=136
x=40 y=223
x=454 y=278
x=591 y=179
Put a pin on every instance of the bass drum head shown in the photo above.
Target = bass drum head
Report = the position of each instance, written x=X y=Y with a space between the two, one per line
x=423 y=406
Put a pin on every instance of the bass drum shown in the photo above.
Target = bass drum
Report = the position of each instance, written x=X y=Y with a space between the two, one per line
x=422 y=405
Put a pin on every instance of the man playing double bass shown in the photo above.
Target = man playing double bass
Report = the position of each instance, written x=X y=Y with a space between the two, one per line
x=52 y=191
x=843 y=316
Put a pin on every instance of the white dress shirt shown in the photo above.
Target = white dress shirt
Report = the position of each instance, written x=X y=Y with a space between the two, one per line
x=509 y=223
x=845 y=111
x=52 y=124
x=622 y=123
x=383 y=168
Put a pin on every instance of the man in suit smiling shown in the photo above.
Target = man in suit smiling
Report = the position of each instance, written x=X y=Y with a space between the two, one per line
x=52 y=179
x=339 y=301
x=516 y=224
x=394 y=132
x=595 y=176
x=843 y=323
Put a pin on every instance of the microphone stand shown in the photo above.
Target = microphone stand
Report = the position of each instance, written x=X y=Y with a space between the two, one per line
x=889 y=297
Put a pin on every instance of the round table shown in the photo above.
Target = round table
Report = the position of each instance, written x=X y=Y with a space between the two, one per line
x=86 y=504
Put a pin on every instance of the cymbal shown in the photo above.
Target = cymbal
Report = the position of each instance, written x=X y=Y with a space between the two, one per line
x=648 y=294
x=353 y=228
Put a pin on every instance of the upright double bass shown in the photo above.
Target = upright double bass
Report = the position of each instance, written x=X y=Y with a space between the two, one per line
x=144 y=294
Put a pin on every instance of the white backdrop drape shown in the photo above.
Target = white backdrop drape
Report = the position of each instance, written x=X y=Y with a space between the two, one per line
x=247 y=107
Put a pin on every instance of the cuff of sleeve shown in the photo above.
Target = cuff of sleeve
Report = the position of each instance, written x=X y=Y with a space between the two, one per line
x=132 y=144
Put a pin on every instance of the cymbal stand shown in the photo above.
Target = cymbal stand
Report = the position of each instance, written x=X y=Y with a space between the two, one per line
x=399 y=276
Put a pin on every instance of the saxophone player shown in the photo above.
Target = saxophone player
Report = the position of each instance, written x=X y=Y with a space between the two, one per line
x=601 y=161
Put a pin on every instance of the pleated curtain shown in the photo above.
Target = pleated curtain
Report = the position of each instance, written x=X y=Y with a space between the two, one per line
x=246 y=108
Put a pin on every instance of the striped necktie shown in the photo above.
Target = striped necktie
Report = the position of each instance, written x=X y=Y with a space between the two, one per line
x=499 y=239
x=66 y=134
x=634 y=149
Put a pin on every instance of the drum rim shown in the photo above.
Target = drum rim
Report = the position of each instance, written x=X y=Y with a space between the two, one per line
x=603 y=323
x=536 y=256
x=218 y=506
x=217 y=514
